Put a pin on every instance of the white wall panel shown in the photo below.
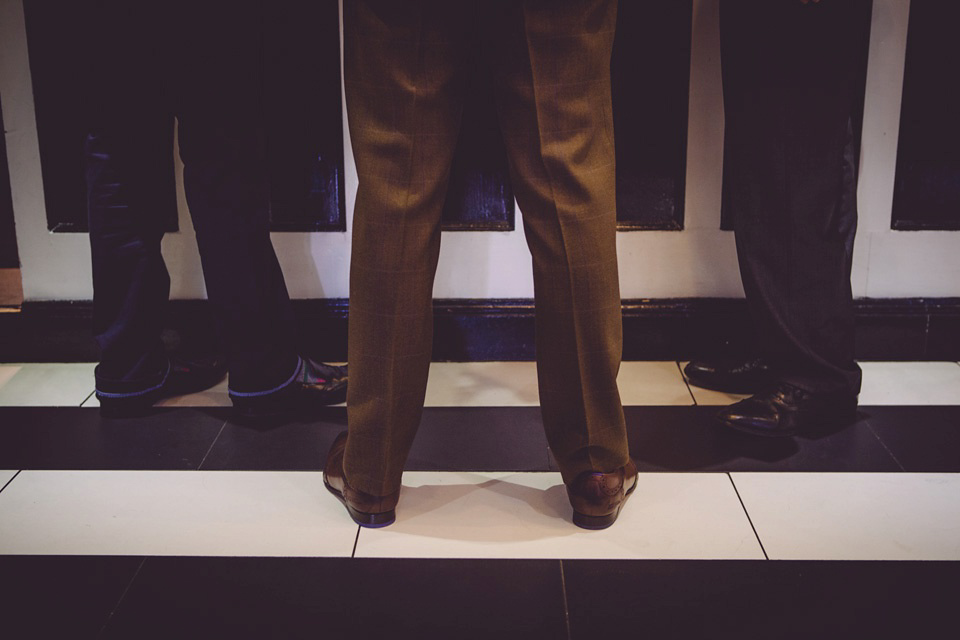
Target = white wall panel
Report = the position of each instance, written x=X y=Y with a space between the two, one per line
x=699 y=261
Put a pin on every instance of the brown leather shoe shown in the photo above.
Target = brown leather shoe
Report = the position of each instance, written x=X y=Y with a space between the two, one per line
x=598 y=497
x=365 y=509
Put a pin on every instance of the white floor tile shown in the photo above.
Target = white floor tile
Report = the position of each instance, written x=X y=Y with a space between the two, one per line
x=933 y=383
x=707 y=397
x=513 y=384
x=190 y=513
x=7 y=371
x=5 y=476
x=652 y=383
x=482 y=384
x=49 y=385
x=854 y=516
x=527 y=515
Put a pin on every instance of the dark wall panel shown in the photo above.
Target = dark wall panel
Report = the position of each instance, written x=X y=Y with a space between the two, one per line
x=8 y=236
x=856 y=117
x=651 y=77
x=301 y=97
x=304 y=115
x=927 y=187
x=479 y=196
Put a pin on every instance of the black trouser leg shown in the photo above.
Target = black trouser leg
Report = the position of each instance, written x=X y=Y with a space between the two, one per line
x=790 y=72
x=221 y=134
x=128 y=169
x=130 y=279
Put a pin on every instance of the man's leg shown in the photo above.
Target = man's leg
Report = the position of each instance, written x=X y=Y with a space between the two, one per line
x=552 y=80
x=405 y=86
x=217 y=71
x=790 y=72
x=128 y=166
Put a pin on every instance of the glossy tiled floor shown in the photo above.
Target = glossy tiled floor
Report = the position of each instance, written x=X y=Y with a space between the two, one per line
x=185 y=524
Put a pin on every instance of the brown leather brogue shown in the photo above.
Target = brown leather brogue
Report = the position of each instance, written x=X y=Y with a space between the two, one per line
x=598 y=497
x=365 y=509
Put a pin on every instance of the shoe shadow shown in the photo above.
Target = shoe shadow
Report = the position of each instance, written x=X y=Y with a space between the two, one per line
x=495 y=510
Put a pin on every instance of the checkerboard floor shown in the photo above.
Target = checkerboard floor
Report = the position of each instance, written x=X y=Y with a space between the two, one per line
x=185 y=524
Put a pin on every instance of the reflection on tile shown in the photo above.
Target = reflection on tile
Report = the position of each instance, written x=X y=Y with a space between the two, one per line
x=652 y=383
x=708 y=397
x=888 y=383
x=172 y=513
x=527 y=515
x=6 y=476
x=691 y=439
x=295 y=443
x=854 y=516
x=480 y=439
x=482 y=384
x=49 y=385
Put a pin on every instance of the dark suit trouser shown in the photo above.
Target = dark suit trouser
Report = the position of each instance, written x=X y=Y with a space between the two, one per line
x=405 y=72
x=198 y=63
x=790 y=73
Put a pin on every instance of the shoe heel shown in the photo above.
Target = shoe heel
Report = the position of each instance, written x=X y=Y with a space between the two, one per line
x=594 y=522
x=373 y=520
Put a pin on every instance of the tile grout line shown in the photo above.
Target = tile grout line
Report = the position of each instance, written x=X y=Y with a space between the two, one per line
x=123 y=596
x=212 y=444
x=11 y=480
x=566 y=605
x=749 y=519
x=884 y=445
x=89 y=395
x=686 y=383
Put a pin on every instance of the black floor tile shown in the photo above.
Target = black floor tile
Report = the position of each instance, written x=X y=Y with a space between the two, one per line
x=296 y=444
x=480 y=439
x=342 y=598
x=75 y=438
x=61 y=596
x=690 y=439
x=761 y=599
x=920 y=438
x=449 y=439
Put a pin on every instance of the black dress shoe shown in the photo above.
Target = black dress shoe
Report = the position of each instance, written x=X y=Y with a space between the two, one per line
x=366 y=510
x=786 y=410
x=125 y=399
x=597 y=498
x=316 y=384
x=730 y=376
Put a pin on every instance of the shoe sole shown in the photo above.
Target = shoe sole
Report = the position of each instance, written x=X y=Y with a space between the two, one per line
x=596 y=523
x=367 y=520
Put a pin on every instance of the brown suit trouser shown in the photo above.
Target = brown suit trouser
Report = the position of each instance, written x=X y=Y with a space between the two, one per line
x=405 y=75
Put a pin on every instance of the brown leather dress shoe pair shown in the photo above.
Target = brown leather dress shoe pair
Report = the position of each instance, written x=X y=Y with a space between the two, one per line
x=597 y=498
x=365 y=509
